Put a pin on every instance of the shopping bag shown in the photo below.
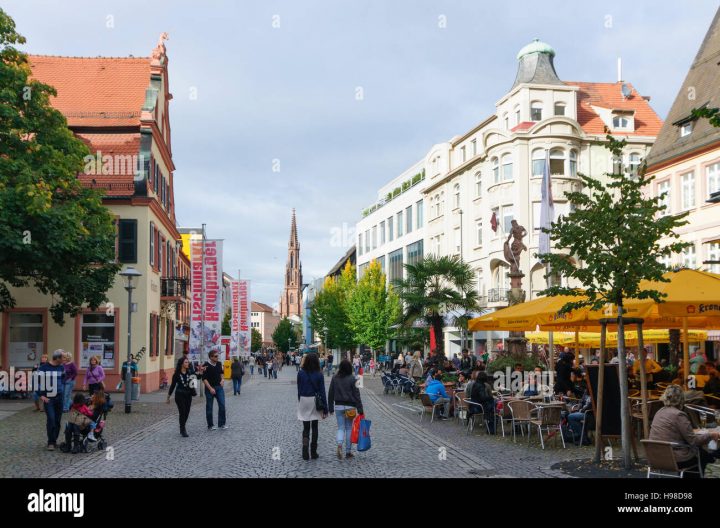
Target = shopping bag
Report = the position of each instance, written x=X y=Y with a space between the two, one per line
x=355 y=434
x=364 y=442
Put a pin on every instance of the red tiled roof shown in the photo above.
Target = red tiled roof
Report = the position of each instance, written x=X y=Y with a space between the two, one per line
x=525 y=125
x=114 y=174
x=608 y=95
x=261 y=307
x=93 y=92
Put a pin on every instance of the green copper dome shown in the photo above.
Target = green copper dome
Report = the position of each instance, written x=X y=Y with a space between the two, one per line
x=536 y=46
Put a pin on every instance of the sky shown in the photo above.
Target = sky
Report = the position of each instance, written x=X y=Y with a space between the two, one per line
x=315 y=104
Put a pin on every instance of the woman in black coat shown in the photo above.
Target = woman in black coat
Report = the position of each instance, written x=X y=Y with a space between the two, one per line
x=182 y=384
x=482 y=395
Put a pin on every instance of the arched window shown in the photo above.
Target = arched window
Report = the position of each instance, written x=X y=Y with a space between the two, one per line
x=456 y=196
x=617 y=164
x=506 y=121
x=559 y=109
x=573 y=163
x=495 y=170
x=536 y=111
x=478 y=185
x=634 y=165
x=538 y=162
x=442 y=202
x=517 y=115
x=437 y=205
x=620 y=122
x=557 y=162
x=507 y=168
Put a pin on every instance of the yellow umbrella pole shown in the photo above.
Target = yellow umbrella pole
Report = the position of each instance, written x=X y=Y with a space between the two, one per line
x=577 y=350
x=686 y=352
x=600 y=390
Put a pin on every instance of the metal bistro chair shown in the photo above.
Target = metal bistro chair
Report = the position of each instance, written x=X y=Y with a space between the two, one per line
x=428 y=404
x=521 y=411
x=504 y=415
x=478 y=416
x=461 y=408
x=661 y=458
x=637 y=416
x=549 y=417
x=696 y=413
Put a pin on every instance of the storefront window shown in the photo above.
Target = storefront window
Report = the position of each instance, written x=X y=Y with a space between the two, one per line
x=97 y=338
x=25 y=344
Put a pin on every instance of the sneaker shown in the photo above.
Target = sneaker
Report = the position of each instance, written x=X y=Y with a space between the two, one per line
x=51 y=447
x=349 y=455
x=225 y=427
x=91 y=436
x=212 y=428
x=339 y=452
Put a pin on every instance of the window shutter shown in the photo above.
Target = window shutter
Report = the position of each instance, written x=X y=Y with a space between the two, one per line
x=127 y=243
x=152 y=243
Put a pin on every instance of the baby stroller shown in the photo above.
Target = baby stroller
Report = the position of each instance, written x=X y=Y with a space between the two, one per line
x=77 y=430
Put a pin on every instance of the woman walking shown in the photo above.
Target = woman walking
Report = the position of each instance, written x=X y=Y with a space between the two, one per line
x=237 y=369
x=416 y=367
x=251 y=362
x=94 y=376
x=344 y=397
x=71 y=373
x=311 y=393
x=184 y=392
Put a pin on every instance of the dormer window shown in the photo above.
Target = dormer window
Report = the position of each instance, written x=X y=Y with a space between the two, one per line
x=536 y=111
x=623 y=120
x=686 y=129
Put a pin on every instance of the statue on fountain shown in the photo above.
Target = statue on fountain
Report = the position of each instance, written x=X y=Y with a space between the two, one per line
x=512 y=251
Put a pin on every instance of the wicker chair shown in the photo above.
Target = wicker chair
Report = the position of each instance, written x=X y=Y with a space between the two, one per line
x=549 y=417
x=661 y=458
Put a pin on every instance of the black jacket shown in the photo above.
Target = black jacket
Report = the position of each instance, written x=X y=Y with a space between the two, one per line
x=343 y=391
x=237 y=370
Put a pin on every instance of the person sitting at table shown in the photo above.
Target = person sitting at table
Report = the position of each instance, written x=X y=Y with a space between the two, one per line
x=437 y=393
x=404 y=370
x=577 y=378
x=575 y=419
x=470 y=383
x=702 y=377
x=482 y=395
x=651 y=367
x=671 y=424
x=466 y=363
x=712 y=387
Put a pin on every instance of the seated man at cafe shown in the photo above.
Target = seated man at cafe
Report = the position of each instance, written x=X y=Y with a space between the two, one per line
x=437 y=393
x=466 y=363
x=651 y=367
x=576 y=417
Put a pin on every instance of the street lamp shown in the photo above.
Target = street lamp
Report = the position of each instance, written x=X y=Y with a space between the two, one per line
x=129 y=274
x=289 y=340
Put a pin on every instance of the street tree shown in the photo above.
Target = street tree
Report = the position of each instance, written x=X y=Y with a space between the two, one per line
x=329 y=315
x=435 y=287
x=372 y=308
x=284 y=336
x=256 y=340
x=615 y=233
x=55 y=234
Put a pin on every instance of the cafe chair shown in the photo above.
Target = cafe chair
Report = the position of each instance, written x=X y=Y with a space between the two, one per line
x=478 y=415
x=461 y=409
x=636 y=413
x=549 y=417
x=662 y=462
x=521 y=412
x=697 y=412
x=429 y=406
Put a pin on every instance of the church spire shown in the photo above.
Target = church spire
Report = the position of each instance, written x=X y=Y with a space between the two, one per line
x=293 y=232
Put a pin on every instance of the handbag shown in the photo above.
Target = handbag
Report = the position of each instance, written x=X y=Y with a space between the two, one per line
x=364 y=443
x=319 y=405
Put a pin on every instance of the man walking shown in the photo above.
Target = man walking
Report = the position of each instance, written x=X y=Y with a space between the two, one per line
x=213 y=381
x=329 y=362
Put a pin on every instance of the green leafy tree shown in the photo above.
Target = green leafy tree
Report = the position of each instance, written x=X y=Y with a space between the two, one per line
x=615 y=232
x=284 y=332
x=711 y=114
x=435 y=287
x=226 y=329
x=55 y=235
x=256 y=340
x=328 y=315
x=373 y=308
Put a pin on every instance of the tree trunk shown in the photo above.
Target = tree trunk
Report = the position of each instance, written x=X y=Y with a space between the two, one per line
x=437 y=323
x=600 y=394
x=623 y=375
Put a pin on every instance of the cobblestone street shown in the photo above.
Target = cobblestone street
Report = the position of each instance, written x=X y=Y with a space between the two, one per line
x=264 y=441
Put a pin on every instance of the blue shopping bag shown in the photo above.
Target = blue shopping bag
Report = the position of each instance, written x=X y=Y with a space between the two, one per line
x=364 y=442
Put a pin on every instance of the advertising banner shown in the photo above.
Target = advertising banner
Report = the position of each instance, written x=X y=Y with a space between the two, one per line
x=205 y=325
x=244 y=326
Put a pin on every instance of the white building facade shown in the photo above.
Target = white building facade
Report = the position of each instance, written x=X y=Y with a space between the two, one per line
x=480 y=181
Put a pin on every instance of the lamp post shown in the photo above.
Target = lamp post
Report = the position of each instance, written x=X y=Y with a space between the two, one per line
x=289 y=340
x=129 y=274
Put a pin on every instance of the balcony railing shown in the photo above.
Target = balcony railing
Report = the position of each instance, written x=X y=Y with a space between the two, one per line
x=175 y=287
x=497 y=295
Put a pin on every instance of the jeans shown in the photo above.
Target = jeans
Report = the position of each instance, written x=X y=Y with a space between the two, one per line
x=446 y=404
x=183 y=400
x=252 y=370
x=344 y=429
x=209 y=397
x=67 y=392
x=274 y=373
x=575 y=422
x=53 y=412
x=236 y=385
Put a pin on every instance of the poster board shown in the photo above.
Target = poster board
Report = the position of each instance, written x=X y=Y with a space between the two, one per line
x=611 y=425
x=104 y=349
